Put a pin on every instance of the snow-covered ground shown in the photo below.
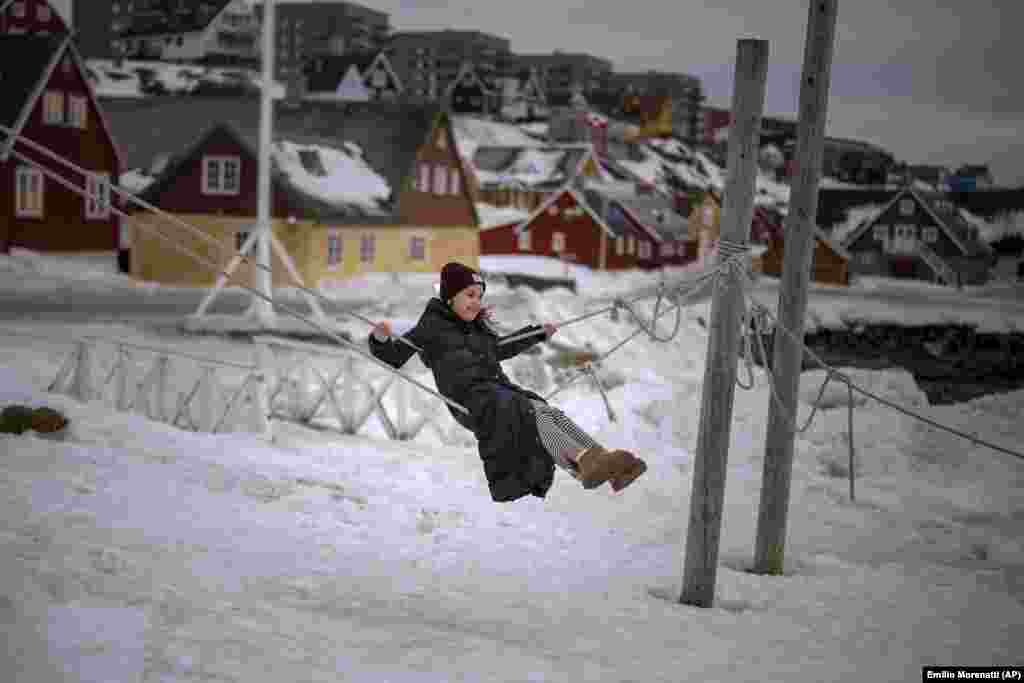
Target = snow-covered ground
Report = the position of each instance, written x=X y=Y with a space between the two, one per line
x=133 y=551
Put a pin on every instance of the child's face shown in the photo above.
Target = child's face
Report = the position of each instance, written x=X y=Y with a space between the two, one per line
x=467 y=302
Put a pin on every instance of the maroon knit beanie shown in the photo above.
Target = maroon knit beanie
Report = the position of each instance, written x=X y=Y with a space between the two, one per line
x=455 y=277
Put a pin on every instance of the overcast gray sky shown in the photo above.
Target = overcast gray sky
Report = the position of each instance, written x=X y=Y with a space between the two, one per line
x=936 y=81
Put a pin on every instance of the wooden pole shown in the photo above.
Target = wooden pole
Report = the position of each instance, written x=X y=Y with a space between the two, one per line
x=723 y=341
x=261 y=307
x=769 y=554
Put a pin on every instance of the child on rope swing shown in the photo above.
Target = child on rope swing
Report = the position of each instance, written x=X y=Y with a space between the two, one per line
x=520 y=437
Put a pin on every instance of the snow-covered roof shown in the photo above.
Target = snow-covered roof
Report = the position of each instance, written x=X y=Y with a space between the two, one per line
x=112 y=81
x=471 y=133
x=346 y=179
x=529 y=166
x=364 y=152
x=855 y=216
x=493 y=216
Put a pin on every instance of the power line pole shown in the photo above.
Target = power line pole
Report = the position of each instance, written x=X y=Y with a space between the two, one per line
x=723 y=341
x=799 y=250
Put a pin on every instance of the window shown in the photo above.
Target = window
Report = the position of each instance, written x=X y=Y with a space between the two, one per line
x=221 y=175
x=631 y=245
x=334 y=246
x=645 y=249
x=417 y=248
x=241 y=237
x=97 y=196
x=905 y=232
x=423 y=179
x=867 y=257
x=667 y=250
x=930 y=234
x=43 y=12
x=906 y=207
x=18 y=10
x=440 y=179
x=944 y=205
x=881 y=232
x=523 y=240
x=620 y=246
x=558 y=242
x=77 y=111
x=454 y=182
x=53 y=107
x=367 y=248
x=28 y=191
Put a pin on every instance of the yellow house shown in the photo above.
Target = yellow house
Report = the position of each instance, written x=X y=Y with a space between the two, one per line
x=706 y=223
x=653 y=113
x=375 y=189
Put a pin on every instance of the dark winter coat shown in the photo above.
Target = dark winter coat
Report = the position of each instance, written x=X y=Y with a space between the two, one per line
x=464 y=357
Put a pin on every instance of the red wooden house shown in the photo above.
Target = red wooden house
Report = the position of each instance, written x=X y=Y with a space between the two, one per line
x=567 y=226
x=666 y=231
x=47 y=99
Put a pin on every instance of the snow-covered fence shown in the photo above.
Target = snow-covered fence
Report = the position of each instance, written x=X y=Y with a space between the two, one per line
x=287 y=380
x=332 y=388
x=208 y=394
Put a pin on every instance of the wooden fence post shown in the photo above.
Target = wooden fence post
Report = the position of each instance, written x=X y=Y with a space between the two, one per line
x=769 y=553
x=710 y=468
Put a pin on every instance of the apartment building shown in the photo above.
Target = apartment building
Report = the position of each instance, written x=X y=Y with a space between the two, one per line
x=563 y=72
x=428 y=62
x=94 y=32
x=188 y=30
x=317 y=28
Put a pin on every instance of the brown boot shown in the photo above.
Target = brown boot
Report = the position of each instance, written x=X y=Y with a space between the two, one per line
x=633 y=468
x=596 y=466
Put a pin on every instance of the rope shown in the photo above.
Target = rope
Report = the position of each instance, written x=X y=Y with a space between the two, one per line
x=680 y=302
x=833 y=373
x=589 y=368
x=728 y=249
x=177 y=221
x=210 y=265
x=681 y=288
x=650 y=330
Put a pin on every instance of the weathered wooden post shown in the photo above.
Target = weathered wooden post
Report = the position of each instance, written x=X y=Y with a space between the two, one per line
x=769 y=553
x=723 y=341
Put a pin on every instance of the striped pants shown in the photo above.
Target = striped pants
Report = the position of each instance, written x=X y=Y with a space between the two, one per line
x=562 y=437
